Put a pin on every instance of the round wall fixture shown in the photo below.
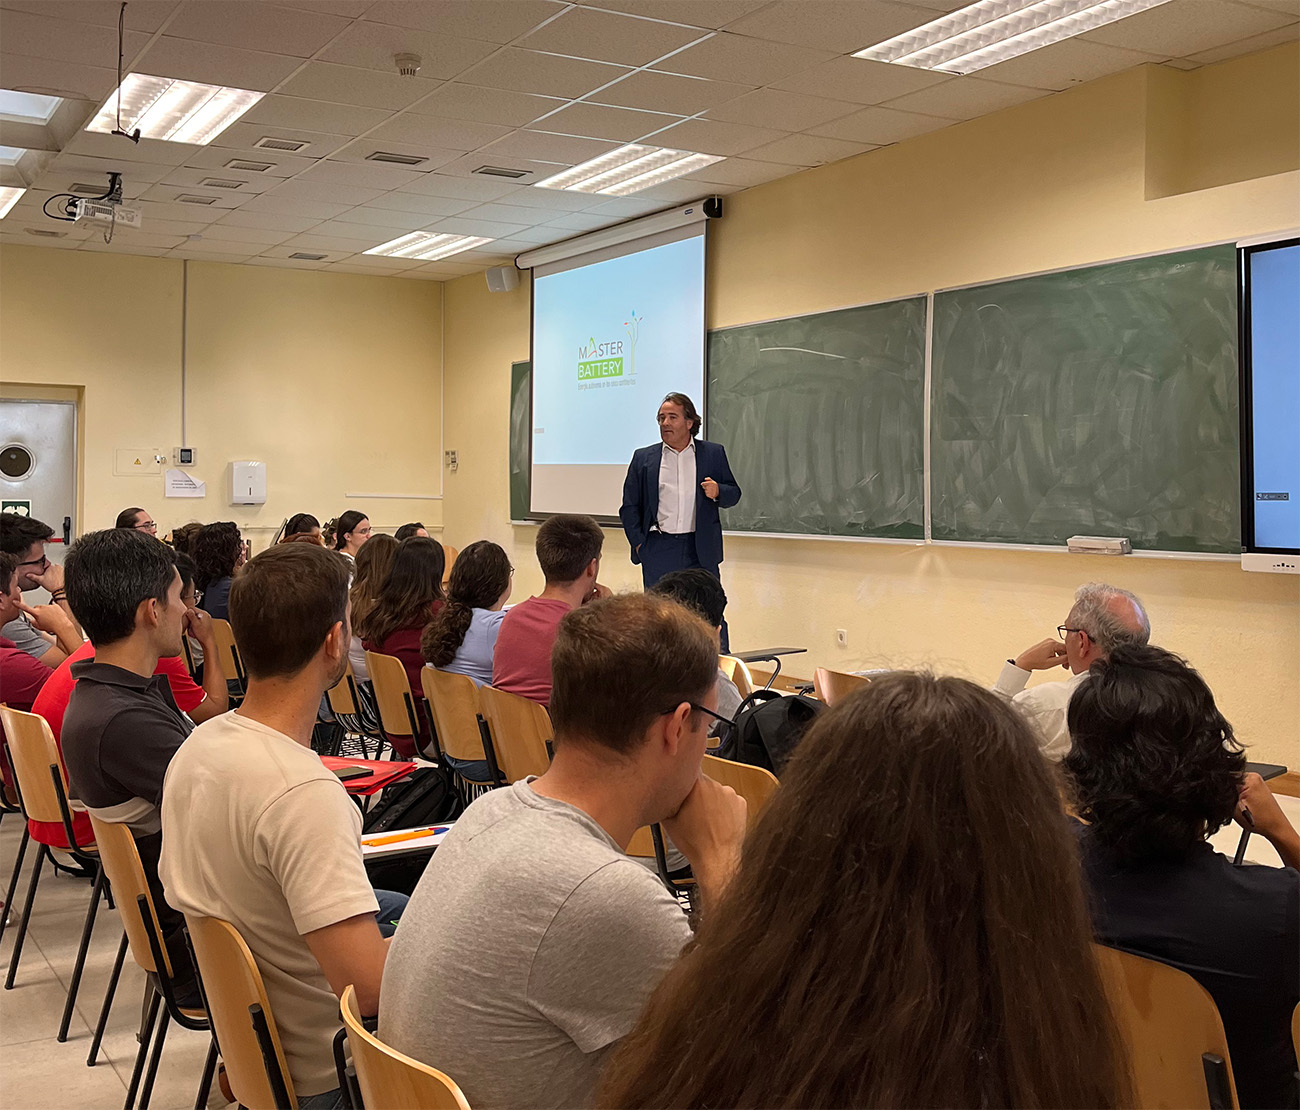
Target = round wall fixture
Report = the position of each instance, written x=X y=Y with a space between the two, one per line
x=15 y=461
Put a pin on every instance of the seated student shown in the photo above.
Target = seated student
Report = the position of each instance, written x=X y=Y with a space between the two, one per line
x=409 y=598
x=138 y=519
x=906 y=928
x=415 y=528
x=25 y=537
x=372 y=565
x=532 y=941
x=568 y=549
x=462 y=637
x=703 y=594
x=351 y=531
x=301 y=524
x=183 y=537
x=190 y=596
x=1101 y=619
x=258 y=833
x=120 y=726
x=1155 y=770
x=218 y=554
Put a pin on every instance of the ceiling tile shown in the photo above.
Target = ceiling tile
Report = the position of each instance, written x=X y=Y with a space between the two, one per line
x=507 y=214
x=786 y=111
x=282 y=165
x=142 y=15
x=284 y=30
x=354 y=85
x=728 y=57
x=583 y=221
x=568 y=150
x=1249 y=46
x=50 y=36
x=57 y=78
x=609 y=37
x=244 y=135
x=215 y=246
x=153 y=151
x=181 y=213
x=667 y=92
x=314 y=240
x=965 y=98
x=468 y=165
x=1184 y=27
x=880 y=126
x=191 y=177
x=176 y=227
x=302 y=188
x=361 y=222
x=597 y=121
x=532 y=236
x=285 y=206
x=1066 y=63
x=215 y=65
x=697 y=13
x=546 y=74
x=288 y=263
x=168 y=194
x=495 y=22
x=79 y=167
x=711 y=137
x=626 y=207
x=363 y=175
x=273 y=221
x=466 y=225
x=373 y=45
x=429 y=131
x=742 y=171
x=481 y=189
x=351 y=9
x=360 y=150
x=840 y=26
x=807 y=150
x=557 y=200
x=480 y=105
x=1286 y=7
x=315 y=115
x=197 y=252
x=416 y=205
x=230 y=234
x=860 y=81
x=384 y=264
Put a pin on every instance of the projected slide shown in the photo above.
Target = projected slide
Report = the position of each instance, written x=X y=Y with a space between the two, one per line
x=1275 y=386
x=609 y=340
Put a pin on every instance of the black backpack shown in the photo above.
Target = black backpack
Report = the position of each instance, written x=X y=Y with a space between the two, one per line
x=768 y=727
x=428 y=797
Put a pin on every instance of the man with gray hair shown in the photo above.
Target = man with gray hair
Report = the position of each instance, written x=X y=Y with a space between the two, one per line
x=1102 y=618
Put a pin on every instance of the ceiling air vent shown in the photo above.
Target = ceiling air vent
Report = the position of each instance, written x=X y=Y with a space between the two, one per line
x=398 y=159
x=502 y=171
x=270 y=142
x=195 y=198
x=221 y=183
x=309 y=257
x=250 y=167
x=42 y=233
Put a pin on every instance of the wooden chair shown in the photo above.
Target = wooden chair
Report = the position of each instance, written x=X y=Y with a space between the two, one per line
x=738 y=671
x=345 y=703
x=1177 y=1048
x=228 y=651
x=833 y=687
x=43 y=790
x=520 y=731
x=236 y=1000
x=755 y=784
x=130 y=886
x=451 y=554
x=396 y=702
x=390 y=1080
x=453 y=703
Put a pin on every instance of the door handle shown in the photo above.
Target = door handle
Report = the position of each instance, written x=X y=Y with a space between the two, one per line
x=67 y=530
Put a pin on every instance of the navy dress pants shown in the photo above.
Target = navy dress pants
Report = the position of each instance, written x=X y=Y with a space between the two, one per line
x=663 y=553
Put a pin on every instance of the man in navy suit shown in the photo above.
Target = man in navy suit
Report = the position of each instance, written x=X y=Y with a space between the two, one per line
x=672 y=495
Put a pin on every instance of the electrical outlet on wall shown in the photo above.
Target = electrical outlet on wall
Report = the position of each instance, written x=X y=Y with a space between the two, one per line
x=453 y=459
x=842 y=637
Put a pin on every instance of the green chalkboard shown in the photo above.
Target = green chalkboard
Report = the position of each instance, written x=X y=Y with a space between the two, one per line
x=823 y=419
x=1098 y=401
x=521 y=402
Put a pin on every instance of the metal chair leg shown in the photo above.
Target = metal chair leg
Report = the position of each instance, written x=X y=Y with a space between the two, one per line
x=146 y=1035
x=41 y=855
x=96 y=891
x=205 y=1081
x=92 y=1059
x=13 y=879
x=147 y=1091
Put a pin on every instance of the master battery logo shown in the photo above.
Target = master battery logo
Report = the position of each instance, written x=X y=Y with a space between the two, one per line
x=600 y=360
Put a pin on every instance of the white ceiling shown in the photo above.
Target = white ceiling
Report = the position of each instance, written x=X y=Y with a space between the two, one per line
x=536 y=85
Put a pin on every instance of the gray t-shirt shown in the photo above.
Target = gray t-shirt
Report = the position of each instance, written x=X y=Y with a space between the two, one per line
x=25 y=637
x=529 y=947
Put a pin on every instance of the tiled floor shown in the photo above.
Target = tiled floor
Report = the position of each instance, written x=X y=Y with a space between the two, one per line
x=36 y=1072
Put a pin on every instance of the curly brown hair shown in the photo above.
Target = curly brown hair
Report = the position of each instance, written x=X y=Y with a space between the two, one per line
x=479 y=576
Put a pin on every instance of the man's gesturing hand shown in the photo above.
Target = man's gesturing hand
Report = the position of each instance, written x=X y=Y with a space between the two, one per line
x=710 y=488
x=1043 y=656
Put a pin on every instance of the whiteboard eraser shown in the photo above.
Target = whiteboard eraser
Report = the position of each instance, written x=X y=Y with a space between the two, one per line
x=1099 y=545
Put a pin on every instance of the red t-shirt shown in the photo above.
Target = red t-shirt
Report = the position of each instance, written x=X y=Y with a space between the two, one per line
x=52 y=704
x=521 y=663
x=21 y=679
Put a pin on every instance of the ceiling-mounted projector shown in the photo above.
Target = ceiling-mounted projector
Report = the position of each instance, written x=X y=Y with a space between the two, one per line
x=105 y=212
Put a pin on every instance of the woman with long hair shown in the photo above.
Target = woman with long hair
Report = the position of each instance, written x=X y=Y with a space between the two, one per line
x=301 y=524
x=461 y=637
x=351 y=531
x=906 y=928
x=218 y=553
x=409 y=597
x=373 y=563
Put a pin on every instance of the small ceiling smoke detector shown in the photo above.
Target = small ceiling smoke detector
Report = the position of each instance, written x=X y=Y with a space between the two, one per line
x=408 y=65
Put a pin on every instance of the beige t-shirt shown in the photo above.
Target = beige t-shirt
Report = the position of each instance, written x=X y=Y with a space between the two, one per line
x=257 y=832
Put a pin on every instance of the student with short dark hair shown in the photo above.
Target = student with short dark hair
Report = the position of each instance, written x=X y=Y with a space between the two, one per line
x=218 y=554
x=25 y=537
x=532 y=940
x=415 y=528
x=568 y=549
x=259 y=833
x=703 y=594
x=1155 y=770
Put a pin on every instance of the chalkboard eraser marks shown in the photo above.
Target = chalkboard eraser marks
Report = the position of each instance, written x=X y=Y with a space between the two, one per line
x=1099 y=545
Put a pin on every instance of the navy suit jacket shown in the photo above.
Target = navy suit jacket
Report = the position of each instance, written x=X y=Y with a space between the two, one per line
x=641 y=498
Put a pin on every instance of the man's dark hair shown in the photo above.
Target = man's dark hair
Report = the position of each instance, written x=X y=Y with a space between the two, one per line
x=18 y=533
x=618 y=664
x=1154 y=766
x=185 y=565
x=126 y=518
x=108 y=574
x=216 y=551
x=8 y=568
x=688 y=410
x=283 y=605
x=407 y=531
x=698 y=590
x=566 y=543
x=300 y=523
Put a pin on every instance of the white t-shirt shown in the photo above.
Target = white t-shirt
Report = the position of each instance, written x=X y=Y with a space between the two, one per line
x=257 y=832
x=677 y=490
x=1045 y=707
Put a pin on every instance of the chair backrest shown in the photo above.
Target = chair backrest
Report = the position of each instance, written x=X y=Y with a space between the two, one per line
x=1169 y=1022
x=342 y=703
x=392 y=688
x=755 y=784
x=389 y=1079
x=231 y=663
x=738 y=671
x=834 y=686
x=32 y=750
x=231 y=984
x=520 y=729
x=451 y=555
x=453 y=701
x=642 y=843
x=121 y=861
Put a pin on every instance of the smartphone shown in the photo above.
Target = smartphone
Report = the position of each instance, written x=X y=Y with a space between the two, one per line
x=345 y=773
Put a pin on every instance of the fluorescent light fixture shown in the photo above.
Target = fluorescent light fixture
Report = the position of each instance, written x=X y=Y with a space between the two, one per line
x=21 y=107
x=629 y=169
x=9 y=195
x=9 y=155
x=175 y=111
x=991 y=31
x=427 y=245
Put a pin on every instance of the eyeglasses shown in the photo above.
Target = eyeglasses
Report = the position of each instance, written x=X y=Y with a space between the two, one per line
x=1063 y=631
x=42 y=562
x=700 y=709
x=146 y=526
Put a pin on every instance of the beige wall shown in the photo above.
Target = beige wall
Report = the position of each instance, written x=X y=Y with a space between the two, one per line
x=332 y=380
x=1055 y=183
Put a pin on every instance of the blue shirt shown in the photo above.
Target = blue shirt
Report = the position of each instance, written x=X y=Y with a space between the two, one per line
x=474 y=656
